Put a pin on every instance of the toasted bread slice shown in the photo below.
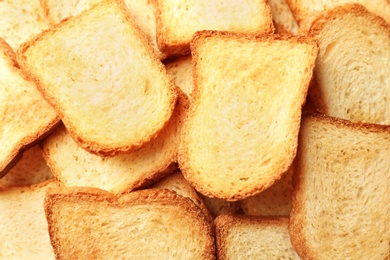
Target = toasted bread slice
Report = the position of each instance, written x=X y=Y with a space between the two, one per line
x=142 y=12
x=178 y=20
x=30 y=169
x=282 y=16
x=25 y=117
x=73 y=166
x=110 y=90
x=177 y=183
x=244 y=237
x=180 y=69
x=274 y=201
x=352 y=80
x=218 y=207
x=341 y=190
x=20 y=20
x=240 y=133
x=86 y=223
x=24 y=230
x=302 y=9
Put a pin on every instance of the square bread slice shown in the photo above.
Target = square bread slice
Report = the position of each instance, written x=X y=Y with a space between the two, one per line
x=352 y=79
x=244 y=237
x=25 y=117
x=341 y=190
x=99 y=72
x=178 y=20
x=240 y=133
x=87 y=223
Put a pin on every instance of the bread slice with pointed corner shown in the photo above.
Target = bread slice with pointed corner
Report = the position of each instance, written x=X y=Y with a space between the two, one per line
x=274 y=201
x=25 y=117
x=24 y=230
x=73 y=166
x=30 y=169
x=86 y=223
x=352 y=80
x=20 y=20
x=178 y=20
x=177 y=183
x=341 y=190
x=302 y=9
x=244 y=237
x=240 y=133
x=108 y=87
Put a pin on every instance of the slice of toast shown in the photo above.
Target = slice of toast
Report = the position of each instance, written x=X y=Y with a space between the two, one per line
x=86 y=223
x=24 y=230
x=218 y=207
x=108 y=87
x=352 y=80
x=244 y=237
x=341 y=190
x=240 y=133
x=30 y=169
x=180 y=69
x=25 y=117
x=20 y=20
x=274 y=201
x=282 y=16
x=302 y=9
x=177 y=183
x=73 y=166
x=178 y=20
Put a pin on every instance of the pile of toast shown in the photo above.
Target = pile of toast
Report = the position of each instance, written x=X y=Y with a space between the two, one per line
x=183 y=129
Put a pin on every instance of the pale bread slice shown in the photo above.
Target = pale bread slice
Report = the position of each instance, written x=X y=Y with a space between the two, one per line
x=73 y=166
x=178 y=20
x=30 y=169
x=180 y=68
x=24 y=230
x=86 y=223
x=302 y=9
x=25 y=117
x=108 y=87
x=341 y=190
x=177 y=183
x=352 y=80
x=262 y=238
x=283 y=17
x=21 y=20
x=240 y=133
x=274 y=201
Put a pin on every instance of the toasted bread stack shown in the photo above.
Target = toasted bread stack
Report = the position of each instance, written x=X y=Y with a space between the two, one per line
x=194 y=129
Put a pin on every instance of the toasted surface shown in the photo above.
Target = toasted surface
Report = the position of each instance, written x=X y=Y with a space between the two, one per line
x=104 y=68
x=149 y=224
x=177 y=21
x=240 y=133
x=21 y=107
x=218 y=207
x=274 y=201
x=73 y=166
x=351 y=73
x=341 y=190
x=180 y=69
x=303 y=9
x=243 y=237
x=30 y=169
x=23 y=223
x=282 y=15
x=177 y=183
x=20 y=20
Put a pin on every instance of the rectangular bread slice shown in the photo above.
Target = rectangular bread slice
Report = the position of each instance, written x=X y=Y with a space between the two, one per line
x=240 y=133
x=87 y=223
x=341 y=190
x=245 y=237
x=110 y=90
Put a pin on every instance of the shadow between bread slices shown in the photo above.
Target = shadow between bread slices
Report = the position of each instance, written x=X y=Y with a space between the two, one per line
x=99 y=72
x=240 y=133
